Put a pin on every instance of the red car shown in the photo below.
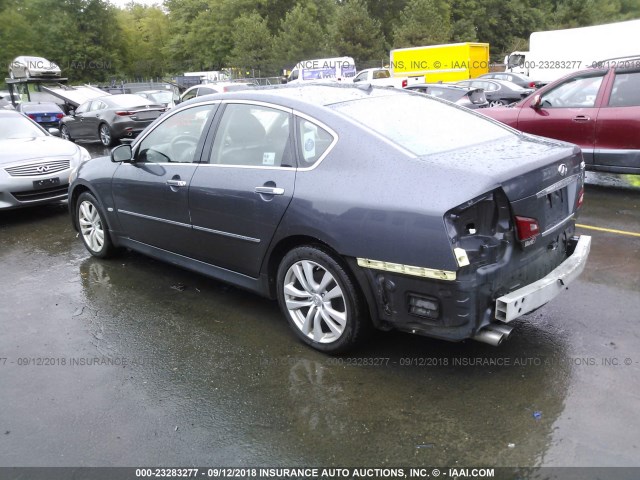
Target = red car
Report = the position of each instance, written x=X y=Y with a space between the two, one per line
x=598 y=109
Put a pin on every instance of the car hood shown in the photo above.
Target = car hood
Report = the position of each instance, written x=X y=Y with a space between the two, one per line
x=23 y=149
x=521 y=164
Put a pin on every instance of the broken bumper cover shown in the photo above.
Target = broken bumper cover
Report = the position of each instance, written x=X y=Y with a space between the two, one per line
x=536 y=294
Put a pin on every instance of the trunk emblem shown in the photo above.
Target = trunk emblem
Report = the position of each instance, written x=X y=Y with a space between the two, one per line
x=562 y=169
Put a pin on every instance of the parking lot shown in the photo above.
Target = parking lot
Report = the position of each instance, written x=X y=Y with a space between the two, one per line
x=131 y=362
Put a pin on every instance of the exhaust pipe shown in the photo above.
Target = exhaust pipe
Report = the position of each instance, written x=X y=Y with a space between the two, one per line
x=501 y=328
x=491 y=337
x=494 y=334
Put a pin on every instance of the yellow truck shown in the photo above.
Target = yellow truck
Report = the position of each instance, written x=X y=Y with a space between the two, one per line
x=441 y=63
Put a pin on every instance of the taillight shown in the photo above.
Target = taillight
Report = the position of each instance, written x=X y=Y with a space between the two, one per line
x=528 y=229
x=59 y=115
x=405 y=82
x=580 y=198
x=478 y=228
x=32 y=116
x=124 y=113
x=532 y=84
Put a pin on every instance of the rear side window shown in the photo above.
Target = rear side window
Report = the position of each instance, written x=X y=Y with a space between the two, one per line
x=313 y=140
x=252 y=135
x=626 y=90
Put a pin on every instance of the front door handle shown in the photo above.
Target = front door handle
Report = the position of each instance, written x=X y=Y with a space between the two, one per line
x=581 y=118
x=177 y=183
x=269 y=190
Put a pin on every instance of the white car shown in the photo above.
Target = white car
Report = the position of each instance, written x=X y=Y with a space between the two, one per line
x=35 y=166
x=33 y=67
x=210 y=88
x=5 y=100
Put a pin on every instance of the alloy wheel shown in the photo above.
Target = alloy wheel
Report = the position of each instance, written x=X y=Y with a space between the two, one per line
x=91 y=227
x=315 y=301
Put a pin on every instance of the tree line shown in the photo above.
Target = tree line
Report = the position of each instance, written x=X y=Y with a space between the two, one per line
x=92 y=40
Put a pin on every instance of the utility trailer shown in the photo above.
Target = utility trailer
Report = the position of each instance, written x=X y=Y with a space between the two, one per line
x=53 y=90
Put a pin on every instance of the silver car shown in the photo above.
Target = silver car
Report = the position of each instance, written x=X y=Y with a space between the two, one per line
x=33 y=67
x=34 y=165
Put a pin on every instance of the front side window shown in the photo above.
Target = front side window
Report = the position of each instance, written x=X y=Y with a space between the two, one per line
x=360 y=77
x=577 y=92
x=176 y=139
x=252 y=135
x=83 y=108
x=189 y=95
x=626 y=90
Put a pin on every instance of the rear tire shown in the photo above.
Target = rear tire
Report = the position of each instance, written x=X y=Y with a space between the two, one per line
x=93 y=227
x=105 y=135
x=322 y=303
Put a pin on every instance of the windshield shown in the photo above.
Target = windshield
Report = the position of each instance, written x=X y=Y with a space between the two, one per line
x=421 y=124
x=17 y=126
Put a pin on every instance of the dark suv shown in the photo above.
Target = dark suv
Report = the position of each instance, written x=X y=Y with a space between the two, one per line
x=597 y=108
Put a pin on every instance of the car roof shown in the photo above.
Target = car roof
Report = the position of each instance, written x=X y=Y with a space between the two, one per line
x=299 y=95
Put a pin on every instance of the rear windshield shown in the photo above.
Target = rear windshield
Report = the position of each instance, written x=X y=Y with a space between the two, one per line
x=41 y=107
x=129 y=100
x=446 y=93
x=421 y=124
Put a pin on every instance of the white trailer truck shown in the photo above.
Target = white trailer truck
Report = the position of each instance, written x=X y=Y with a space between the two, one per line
x=555 y=53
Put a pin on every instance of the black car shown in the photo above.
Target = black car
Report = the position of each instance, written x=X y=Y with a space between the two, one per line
x=498 y=92
x=464 y=96
x=110 y=118
x=519 y=79
x=355 y=207
x=47 y=114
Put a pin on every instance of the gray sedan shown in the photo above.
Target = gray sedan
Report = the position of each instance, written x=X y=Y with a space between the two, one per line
x=110 y=118
x=34 y=165
x=356 y=207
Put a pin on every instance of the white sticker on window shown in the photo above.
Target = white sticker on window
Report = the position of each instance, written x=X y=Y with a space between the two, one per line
x=309 y=145
x=269 y=158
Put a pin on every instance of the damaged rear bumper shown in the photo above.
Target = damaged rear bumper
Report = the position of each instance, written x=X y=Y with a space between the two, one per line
x=528 y=298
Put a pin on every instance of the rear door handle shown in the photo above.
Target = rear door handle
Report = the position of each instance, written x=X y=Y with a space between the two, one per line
x=269 y=190
x=581 y=118
x=177 y=183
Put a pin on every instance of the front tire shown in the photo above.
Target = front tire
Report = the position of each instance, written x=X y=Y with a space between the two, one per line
x=93 y=227
x=64 y=133
x=105 y=135
x=322 y=303
x=497 y=103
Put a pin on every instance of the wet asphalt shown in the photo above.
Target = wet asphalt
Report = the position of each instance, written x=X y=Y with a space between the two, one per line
x=128 y=362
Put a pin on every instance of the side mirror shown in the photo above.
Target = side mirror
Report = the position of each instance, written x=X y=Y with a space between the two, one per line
x=122 y=153
x=55 y=132
x=537 y=103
